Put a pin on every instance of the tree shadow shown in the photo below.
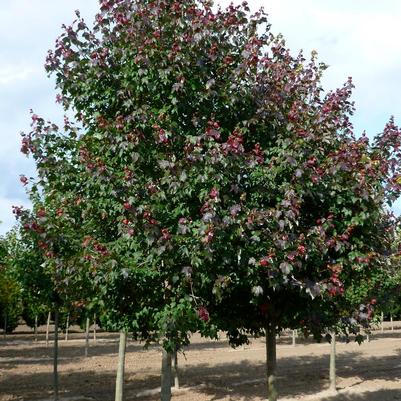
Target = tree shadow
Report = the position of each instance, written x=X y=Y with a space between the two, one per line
x=303 y=375
x=240 y=380
x=75 y=333
x=13 y=355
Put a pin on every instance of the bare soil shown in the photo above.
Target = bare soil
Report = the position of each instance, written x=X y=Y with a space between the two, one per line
x=209 y=370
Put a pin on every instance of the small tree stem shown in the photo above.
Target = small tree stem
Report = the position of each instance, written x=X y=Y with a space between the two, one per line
x=5 y=325
x=121 y=366
x=175 y=370
x=67 y=324
x=94 y=328
x=165 y=393
x=35 y=330
x=333 y=361
x=47 y=328
x=271 y=360
x=55 y=357
x=87 y=337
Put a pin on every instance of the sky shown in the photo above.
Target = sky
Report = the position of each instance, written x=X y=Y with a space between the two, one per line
x=358 y=38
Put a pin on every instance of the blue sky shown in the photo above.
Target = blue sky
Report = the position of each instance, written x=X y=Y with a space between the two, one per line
x=356 y=38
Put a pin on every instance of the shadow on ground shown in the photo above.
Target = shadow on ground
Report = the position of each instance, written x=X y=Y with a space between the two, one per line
x=242 y=380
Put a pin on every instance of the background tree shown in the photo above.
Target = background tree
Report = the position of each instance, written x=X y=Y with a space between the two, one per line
x=10 y=293
x=26 y=262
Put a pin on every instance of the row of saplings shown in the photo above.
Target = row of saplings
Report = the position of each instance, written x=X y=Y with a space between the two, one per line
x=64 y=320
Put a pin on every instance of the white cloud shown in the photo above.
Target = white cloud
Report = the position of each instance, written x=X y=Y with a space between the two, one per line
x=12 y=74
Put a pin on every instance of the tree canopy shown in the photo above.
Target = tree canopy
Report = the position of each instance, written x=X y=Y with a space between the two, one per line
x=206 y=176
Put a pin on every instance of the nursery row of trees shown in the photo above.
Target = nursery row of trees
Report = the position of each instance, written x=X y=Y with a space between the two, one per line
x=26 y=291
x=202 y=180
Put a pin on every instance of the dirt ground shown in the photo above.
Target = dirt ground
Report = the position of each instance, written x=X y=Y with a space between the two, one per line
x=209 y=370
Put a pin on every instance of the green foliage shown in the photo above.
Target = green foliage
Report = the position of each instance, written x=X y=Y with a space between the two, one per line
x=25 y=261
x=10 y=294
x=206 y=175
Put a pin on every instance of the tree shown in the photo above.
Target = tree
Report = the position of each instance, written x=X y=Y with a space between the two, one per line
x=44 y=253
x=10 y=296
x=199 y=130
x=387 y=286
x=25 y=261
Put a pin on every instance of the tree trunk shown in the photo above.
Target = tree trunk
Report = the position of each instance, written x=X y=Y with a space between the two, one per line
x=94 y=328
x=165 y=393
x=87 y=337
x=293 y=338
x=5 y=325
x=392 y=322
x=382 y=322
x=67 y=324
x=47 y=328
x=333 y=362
x=55 y=356
x=271 y=361
x=121 y=366
x=35 y=330
x=175 y=370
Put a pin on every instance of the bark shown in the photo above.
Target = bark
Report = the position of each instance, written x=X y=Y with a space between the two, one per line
x=333 y=362
x=175 y=371
x=47 y=329
x=382 y=322
x=271 y=360
x=55 y=357
x=294 y=343
x=165 y=392
x=87 y=337
x=67 y=324
x=392 y=322
x=35 y=330
x=121 y=367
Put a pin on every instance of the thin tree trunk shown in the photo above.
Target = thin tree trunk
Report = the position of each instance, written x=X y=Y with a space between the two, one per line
x=392 y=322
x=67 y=324
x=271 y=361
x=382 y=322
x=55 y=356
x=121 y=365
x=47 y=328
x=5 y=325
x=165 y=393
x=35 y=330
x=294 y=343
x=333 y=362
x=94 y=328
x=87 y=337
x=175 y=370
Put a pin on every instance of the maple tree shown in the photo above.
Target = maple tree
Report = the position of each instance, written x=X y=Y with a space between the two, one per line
x=206 y=177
